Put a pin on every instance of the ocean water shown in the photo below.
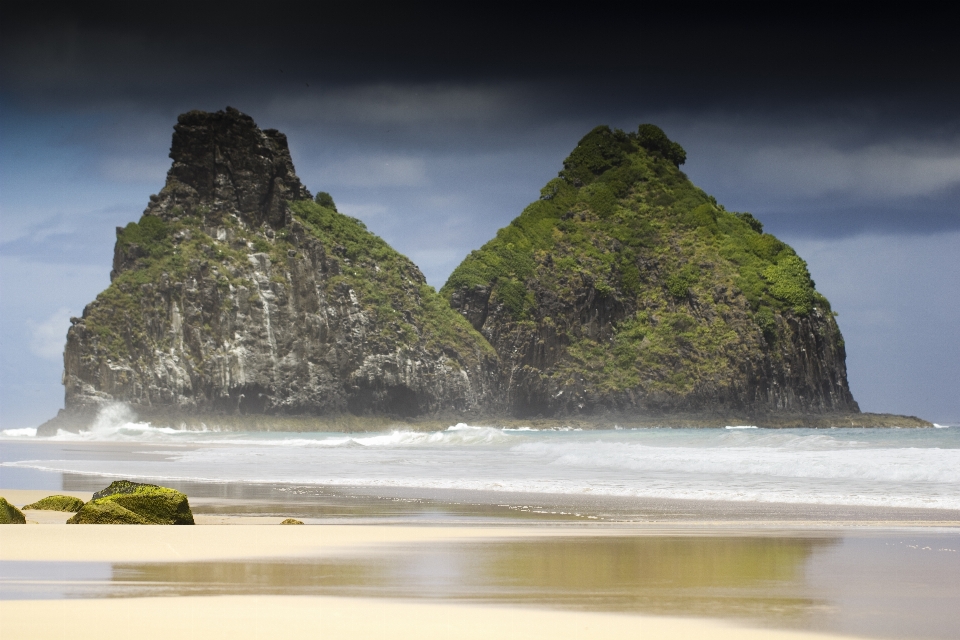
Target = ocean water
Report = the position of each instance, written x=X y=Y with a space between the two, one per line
x=870 y=467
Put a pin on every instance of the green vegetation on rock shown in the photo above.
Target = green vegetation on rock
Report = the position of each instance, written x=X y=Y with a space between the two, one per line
x=292 y=521
x=324 y=199
x=57 y=503
x=9 y=514
x=238 y=293
x=625 y=285
x=107 y=512
x=125 y=502
x=389 y=286
x=618 y=203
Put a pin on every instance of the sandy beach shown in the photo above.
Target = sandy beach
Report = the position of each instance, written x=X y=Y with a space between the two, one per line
x=545 y=578
x=348 y=618
x=483 y=532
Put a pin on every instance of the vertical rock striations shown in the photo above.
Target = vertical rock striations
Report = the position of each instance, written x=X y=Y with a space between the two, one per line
x=625 y=288
x=235 y=294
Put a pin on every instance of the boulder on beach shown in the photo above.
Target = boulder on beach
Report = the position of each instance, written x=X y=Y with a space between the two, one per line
x=106 y=512
x=9 y=514
x=292 y=521
x=57 y=503
x=126 y=502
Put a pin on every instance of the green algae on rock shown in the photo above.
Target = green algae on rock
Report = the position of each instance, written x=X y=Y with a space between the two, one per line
x=237 y=294
x=292 y=521
x=9 y=514
x=125 y=502
x=57 y=503
x=627 y=288
x=106 y=512
x=238 y=301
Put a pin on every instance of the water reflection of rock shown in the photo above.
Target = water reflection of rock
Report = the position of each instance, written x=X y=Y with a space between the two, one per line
x=726 y=576
x=745 y=577
x=599 y=562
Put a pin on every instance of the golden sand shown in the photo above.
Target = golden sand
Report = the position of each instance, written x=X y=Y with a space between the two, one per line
x=330 y=618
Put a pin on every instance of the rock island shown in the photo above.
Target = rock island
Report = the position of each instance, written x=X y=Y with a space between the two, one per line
x=623 y=295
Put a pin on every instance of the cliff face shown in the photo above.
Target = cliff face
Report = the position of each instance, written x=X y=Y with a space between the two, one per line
x=626 y=288
x=237 y=294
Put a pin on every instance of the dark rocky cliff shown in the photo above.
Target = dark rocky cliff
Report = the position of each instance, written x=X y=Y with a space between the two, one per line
x=624 y=292
x=236 y=294
x=627 y=289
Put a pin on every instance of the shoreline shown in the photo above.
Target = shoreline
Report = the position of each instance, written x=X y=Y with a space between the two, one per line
x=339 y=500
x=341 y=517
x=76 y=421
x=398 y=507
x=419 y=576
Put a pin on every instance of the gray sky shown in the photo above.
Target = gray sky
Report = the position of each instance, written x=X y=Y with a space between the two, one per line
x=844 y=139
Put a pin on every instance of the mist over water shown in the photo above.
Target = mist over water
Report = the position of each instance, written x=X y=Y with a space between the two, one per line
x=872 y=467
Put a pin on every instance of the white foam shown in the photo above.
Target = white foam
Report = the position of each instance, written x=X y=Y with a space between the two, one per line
x=740 y=427
x=892 y=467
x=116 y=422
x=25 y=432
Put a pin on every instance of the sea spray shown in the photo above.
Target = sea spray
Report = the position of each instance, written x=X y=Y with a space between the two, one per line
x=886 y=467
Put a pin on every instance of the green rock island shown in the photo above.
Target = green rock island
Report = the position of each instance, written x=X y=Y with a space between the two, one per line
x=623 y=295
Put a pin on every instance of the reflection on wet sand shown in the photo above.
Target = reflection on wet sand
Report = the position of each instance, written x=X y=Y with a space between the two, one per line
x=738 y=577
x=893 y=584
x=743 y=577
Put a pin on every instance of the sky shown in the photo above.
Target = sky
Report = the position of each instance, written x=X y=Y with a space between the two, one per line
x=842 y=135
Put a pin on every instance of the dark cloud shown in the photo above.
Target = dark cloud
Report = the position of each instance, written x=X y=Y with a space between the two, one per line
x=664 y=55
x=436 y=127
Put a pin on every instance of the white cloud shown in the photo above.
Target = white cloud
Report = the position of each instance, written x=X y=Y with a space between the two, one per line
x=873 y=171
x=48 y=338
x=816 y=155
x=377 y=171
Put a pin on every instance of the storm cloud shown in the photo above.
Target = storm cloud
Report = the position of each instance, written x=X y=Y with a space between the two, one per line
x=843 y=137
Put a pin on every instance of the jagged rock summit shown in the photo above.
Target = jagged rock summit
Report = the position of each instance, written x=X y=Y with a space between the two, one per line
x=627 y=289
x=625 y=294
x=237 y=296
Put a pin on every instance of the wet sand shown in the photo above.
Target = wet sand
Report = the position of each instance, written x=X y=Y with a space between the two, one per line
x=399 y=565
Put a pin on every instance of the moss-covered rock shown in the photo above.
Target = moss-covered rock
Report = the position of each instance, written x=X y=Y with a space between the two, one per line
x=9 y=514
x=627 y=289
x=121 y=487
x=125 y=502
x=292 y=521
x=236 y=294
x=106 y=512
x=57 y=503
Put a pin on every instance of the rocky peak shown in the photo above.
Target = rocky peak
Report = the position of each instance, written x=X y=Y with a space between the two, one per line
x=626 y=288
x=223 y=164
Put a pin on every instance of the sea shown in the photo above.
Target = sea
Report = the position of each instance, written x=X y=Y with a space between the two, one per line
x=882 y=467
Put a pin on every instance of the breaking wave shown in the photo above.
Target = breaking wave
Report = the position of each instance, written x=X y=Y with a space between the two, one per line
x=891 y=467
x=26 y=432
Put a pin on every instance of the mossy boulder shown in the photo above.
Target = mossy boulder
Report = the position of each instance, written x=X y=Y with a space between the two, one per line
x=57 y=503
x=106 y=512
x=125 y=502
x=9 y=514
x=292 y=521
